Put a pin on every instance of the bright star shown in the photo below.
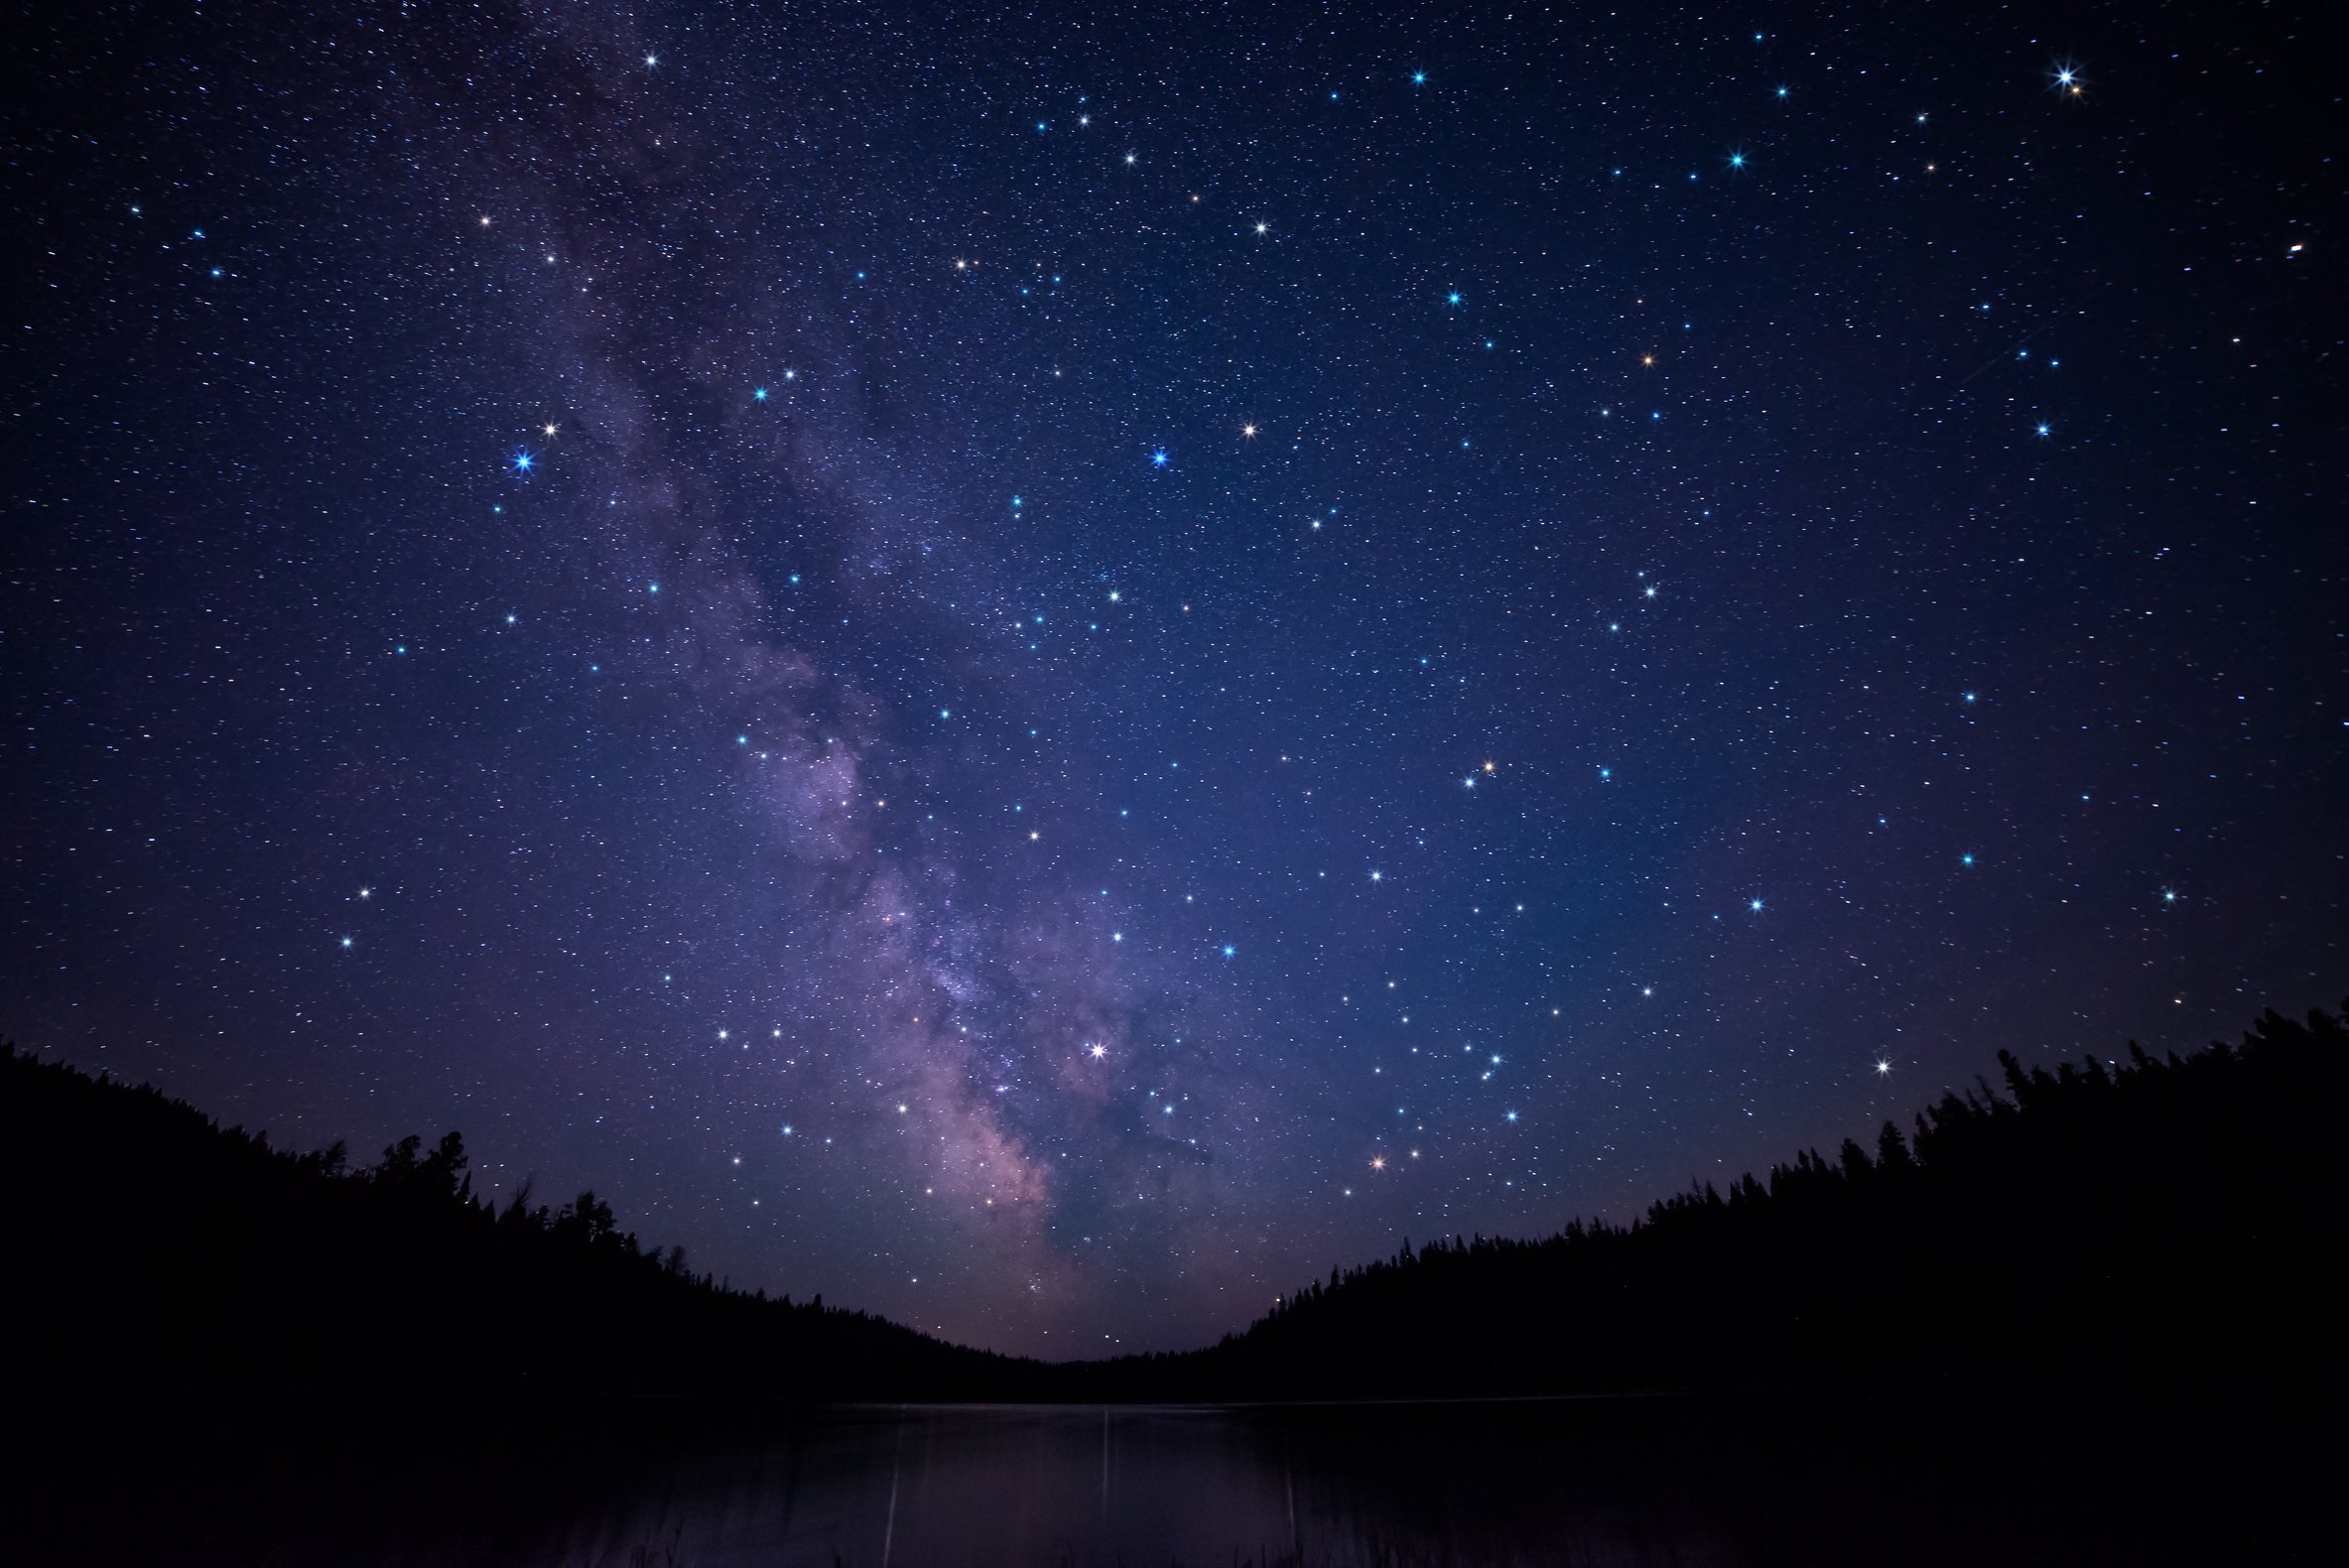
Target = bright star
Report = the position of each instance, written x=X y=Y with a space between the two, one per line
x=1247 y=430
x=1737 y=160
x=1100 y=1051
x=1263 y=227
x=1418 y=78
x=1158 y=458
x=1229 y=949
x=1884 y=1068
x=1453 y=298
x=523 y=463
x=652 y=59
x=2042 y=428
x=1756 y=906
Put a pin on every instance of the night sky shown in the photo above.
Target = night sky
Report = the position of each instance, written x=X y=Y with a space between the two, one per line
x=1047 y=672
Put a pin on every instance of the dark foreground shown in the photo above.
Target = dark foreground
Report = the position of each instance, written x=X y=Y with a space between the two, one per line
x=1586 y=1481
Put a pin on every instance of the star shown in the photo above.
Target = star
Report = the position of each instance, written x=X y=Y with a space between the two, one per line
x=1263 y=228
x=522 y=463
x=1158 y=458
x=1097 y=1051
x=1884 y=1068
x=758 y=394
x=1247 y=430
x=1418 y=78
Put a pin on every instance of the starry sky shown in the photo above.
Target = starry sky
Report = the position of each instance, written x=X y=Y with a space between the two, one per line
x=1047 y=671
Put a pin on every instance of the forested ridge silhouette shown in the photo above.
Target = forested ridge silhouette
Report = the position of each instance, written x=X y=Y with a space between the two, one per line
x=2171 y=1218
x=2153 y=1220
x=163 y=1256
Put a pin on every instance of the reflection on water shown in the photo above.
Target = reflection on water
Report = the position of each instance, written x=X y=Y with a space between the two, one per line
x=1035 y=1486
x=1587 y=1483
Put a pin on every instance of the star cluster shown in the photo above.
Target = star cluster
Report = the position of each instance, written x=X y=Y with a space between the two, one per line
x=1047 y=672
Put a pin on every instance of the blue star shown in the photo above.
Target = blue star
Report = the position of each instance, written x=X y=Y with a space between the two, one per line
x=1453 y=298
x=1158 y=458
x=1737 y=160
x=758 y=394
x=523 y=463
x=2042 y=431
x=1782 y=92
x=1418 y=78
x=1229 y=949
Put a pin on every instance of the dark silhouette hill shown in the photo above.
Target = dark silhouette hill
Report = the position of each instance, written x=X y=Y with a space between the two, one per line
x=162 y=1261
x=2168 y=1221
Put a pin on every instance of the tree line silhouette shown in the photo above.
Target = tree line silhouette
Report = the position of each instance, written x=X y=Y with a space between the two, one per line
x=161 y=1259
x=2172 y=1222
x=2168 y=1219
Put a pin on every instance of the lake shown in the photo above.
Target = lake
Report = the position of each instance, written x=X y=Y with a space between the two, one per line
x=1580 y=1482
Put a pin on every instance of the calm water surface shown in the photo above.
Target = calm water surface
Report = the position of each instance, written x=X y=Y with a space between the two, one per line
x=1589 y=1483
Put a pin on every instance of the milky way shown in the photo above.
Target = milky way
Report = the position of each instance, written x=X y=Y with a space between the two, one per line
x=1046 y=673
